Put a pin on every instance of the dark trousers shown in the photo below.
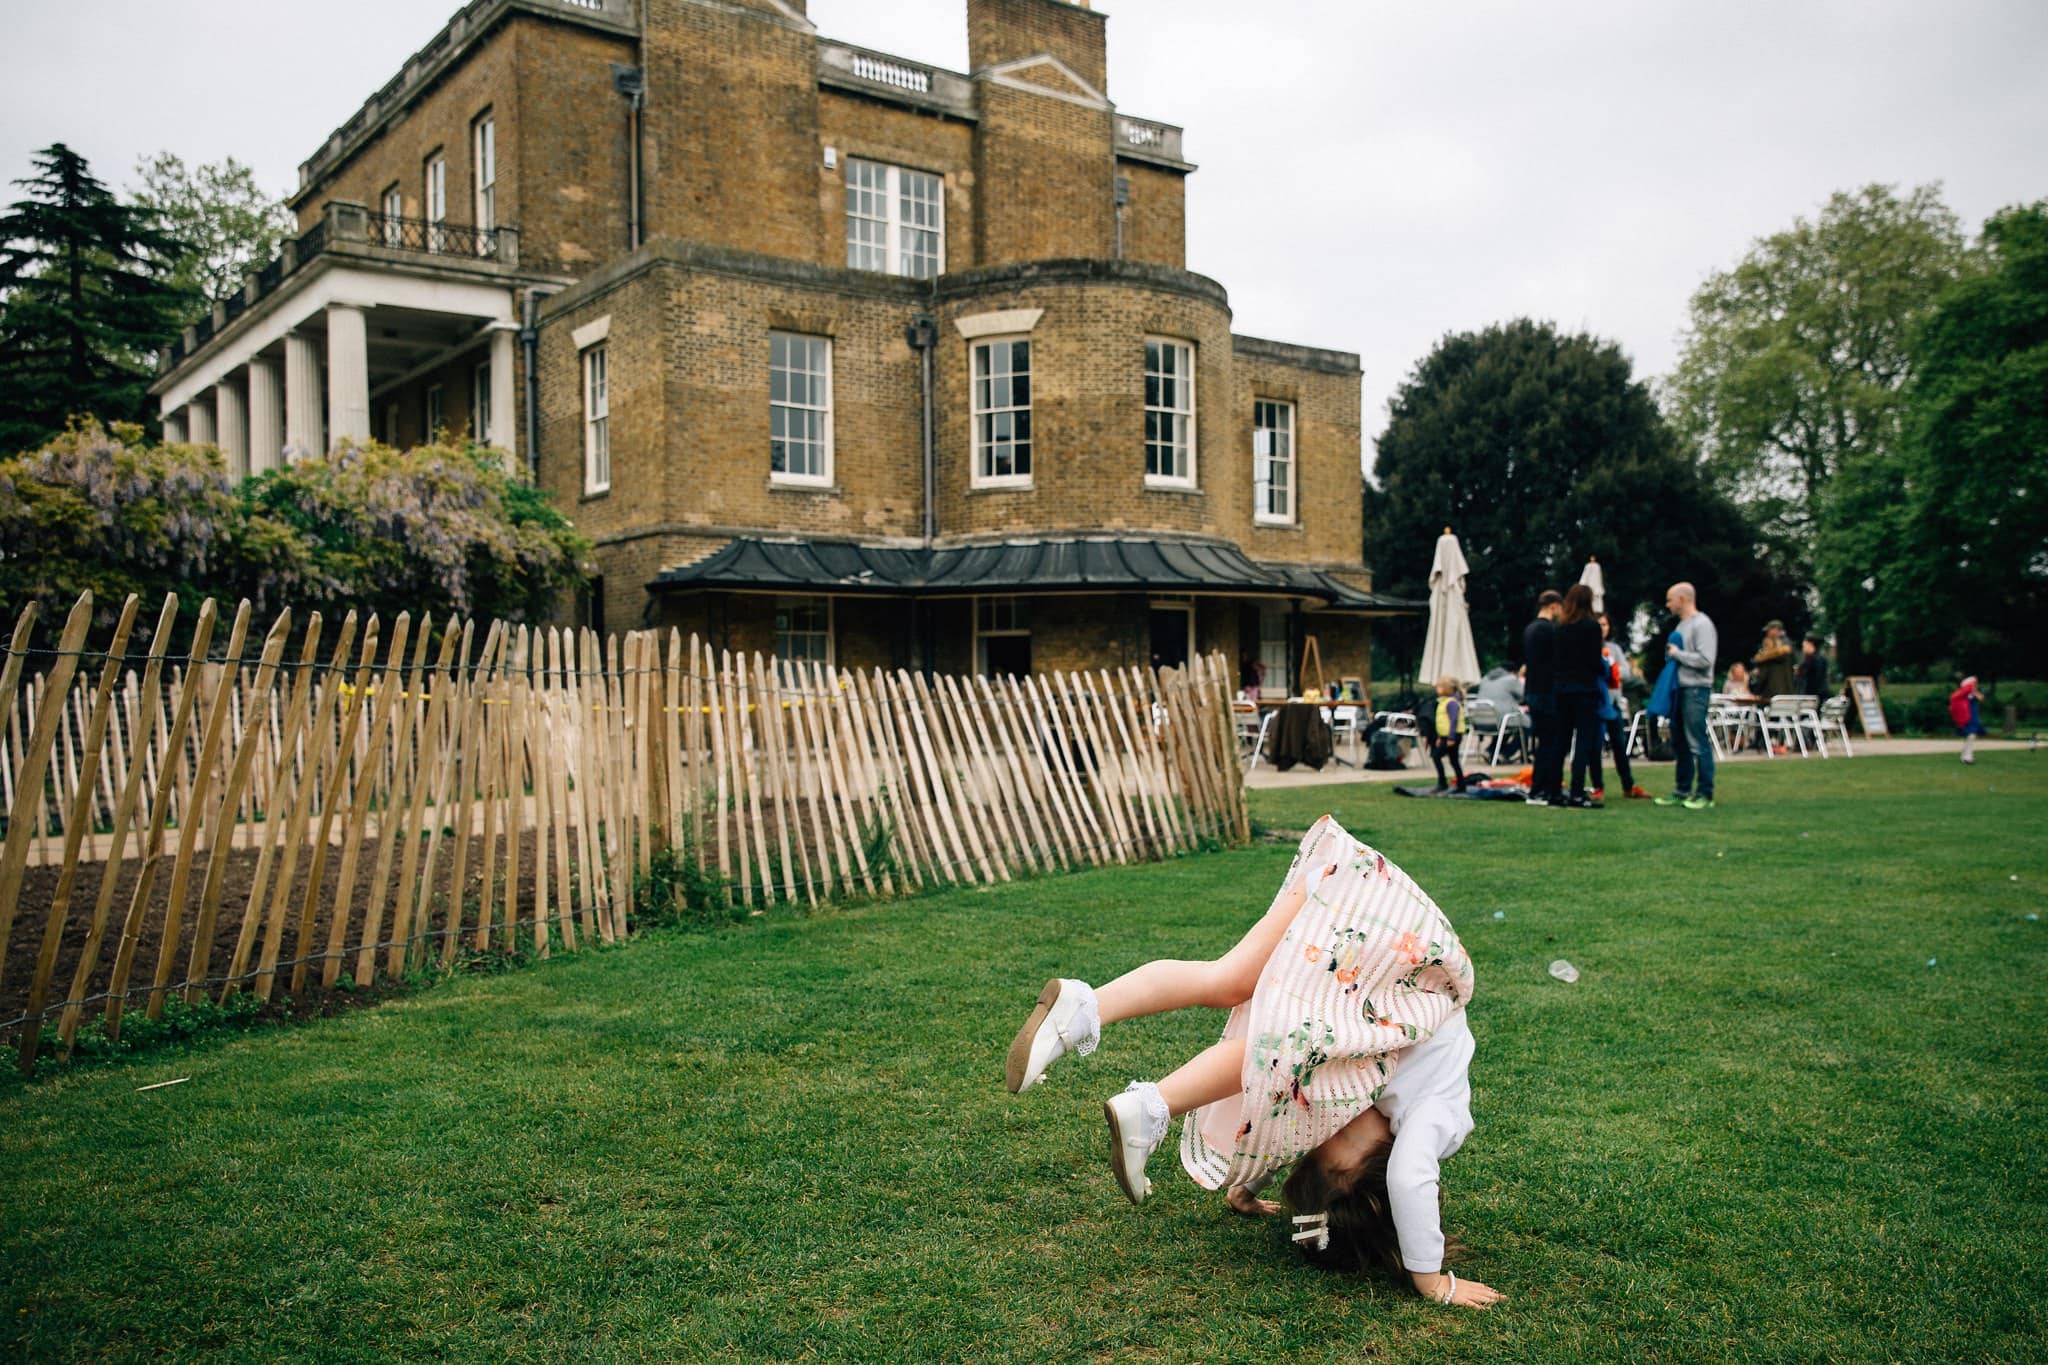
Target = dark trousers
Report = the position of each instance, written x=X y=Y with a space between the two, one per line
x=1441 y=749
x=1579 y=717
x=1617 y=740
x=1548 y=777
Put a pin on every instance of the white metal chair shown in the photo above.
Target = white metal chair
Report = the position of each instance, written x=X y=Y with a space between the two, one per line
x=1259 y=737
x=1344 y=722
x=1789 y=714
x=1729 y=719
x=1834 y=715
x=1244 y=716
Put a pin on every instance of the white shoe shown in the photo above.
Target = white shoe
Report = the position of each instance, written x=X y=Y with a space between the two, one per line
x=1064 y=1021
x=1137 y=1125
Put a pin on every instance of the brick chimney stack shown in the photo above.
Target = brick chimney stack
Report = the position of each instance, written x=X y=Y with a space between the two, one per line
x=1004 y=30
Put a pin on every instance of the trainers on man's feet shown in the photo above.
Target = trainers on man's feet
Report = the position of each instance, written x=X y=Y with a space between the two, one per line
x=1536 y=799
x=1065 y=1020
x=1137 y=1125
x=1598 y=793
x=1675 y=799
x=1700 y=803
x=1638 y=794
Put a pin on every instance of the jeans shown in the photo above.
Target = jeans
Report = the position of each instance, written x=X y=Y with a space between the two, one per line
x=1579 y=718
x=1690 y=744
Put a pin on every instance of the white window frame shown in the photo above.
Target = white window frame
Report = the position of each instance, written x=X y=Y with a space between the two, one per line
x=483 y=143
x=982 y=447
x=1279 y=451
x=393 y=205
x=1019 y=623
x=595 y=362
x=831 y=634
x=436 y=412
x=897 y=191
x=823 y=477
x=480 y=404
x=434 y=201
x=1185 y=350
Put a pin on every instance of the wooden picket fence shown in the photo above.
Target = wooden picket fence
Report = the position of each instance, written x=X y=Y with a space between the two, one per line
x=260 y=820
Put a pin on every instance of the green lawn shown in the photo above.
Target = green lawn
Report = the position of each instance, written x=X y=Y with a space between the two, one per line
x=1761 y=1126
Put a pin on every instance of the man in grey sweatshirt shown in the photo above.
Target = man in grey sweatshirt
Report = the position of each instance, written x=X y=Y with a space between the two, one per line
x=1694 y=649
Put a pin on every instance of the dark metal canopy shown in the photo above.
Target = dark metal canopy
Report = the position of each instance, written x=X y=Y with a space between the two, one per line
x=1075 y=565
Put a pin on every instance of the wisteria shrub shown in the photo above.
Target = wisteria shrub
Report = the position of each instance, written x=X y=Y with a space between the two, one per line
x=438 y=529
x=98 y=508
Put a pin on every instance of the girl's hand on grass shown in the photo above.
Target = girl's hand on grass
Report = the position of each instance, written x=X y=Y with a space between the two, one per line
x=1242 y=1200
x=1469 y=1294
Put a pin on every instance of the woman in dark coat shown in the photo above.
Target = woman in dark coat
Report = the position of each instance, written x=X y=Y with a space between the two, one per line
x=1581 y=681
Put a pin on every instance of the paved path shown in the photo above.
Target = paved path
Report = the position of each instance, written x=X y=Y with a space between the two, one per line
x=1264 y=777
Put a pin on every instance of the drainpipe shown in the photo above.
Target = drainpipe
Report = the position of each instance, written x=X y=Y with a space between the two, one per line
x=529 y=347
x=923 y=336
x=631 y=81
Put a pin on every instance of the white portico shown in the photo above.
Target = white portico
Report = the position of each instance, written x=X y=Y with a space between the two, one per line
x=355 y=308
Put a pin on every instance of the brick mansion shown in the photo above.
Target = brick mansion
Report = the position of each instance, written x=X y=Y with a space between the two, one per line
x=830 y=352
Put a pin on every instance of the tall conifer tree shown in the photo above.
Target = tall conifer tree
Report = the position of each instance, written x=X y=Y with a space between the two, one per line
x=84 y=302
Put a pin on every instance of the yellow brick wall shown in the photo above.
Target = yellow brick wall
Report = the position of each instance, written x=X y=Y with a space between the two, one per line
x=1005 y=30
x=1046 y=176
x=1155 y=218
x=733 y=156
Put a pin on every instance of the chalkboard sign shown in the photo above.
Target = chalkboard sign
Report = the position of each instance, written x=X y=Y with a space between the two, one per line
x=1869 y=709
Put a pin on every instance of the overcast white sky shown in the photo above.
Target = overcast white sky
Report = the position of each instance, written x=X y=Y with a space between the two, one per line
x=1373 y=174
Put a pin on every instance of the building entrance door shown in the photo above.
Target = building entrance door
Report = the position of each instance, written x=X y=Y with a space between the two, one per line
x=1171 y=627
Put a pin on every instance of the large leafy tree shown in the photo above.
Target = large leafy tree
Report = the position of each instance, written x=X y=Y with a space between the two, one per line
x=1955 y=530
x=228 y=224
x=85 y=301
x=1795 y=363
x=1540 y=449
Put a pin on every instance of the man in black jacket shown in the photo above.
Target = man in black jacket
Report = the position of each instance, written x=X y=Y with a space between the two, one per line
x=1812 y=677
x=1539 y=691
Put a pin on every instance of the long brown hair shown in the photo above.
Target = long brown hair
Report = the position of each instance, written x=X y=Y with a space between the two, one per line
x=1578 y=603
x=1362 y=1232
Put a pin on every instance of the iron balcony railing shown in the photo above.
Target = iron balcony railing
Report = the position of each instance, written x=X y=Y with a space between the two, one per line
x=439 y=239
x=347 y=225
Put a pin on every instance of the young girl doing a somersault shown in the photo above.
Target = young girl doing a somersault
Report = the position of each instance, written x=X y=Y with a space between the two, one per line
x=1346 y=1055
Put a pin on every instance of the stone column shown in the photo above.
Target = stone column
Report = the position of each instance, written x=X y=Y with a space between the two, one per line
x=174 y=428
x=199 y=418
x=266 y=415
x=348 y=372
x=232 y=418
x=504 y=411
x=304 y=436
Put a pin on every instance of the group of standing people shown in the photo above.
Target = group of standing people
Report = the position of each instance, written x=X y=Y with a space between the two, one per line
x=1573 y=674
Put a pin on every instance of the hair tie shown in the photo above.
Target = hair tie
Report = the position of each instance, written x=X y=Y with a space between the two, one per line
x=1315 y=1227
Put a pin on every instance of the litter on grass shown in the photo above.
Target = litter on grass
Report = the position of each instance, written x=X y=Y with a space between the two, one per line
x=1932 y=960
x=161 y=1084
x=1500 y=914
x=1565 y=971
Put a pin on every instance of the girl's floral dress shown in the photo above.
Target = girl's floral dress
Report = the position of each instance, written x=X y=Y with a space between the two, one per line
x=1368 y=968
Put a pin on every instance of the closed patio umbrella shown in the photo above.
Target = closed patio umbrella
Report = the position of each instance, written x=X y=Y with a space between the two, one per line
x=1447 y=651
x=1592 y=578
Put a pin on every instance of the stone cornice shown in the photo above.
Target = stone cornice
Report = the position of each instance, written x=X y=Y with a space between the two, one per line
x=1138 y=274
x=1301 y=357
